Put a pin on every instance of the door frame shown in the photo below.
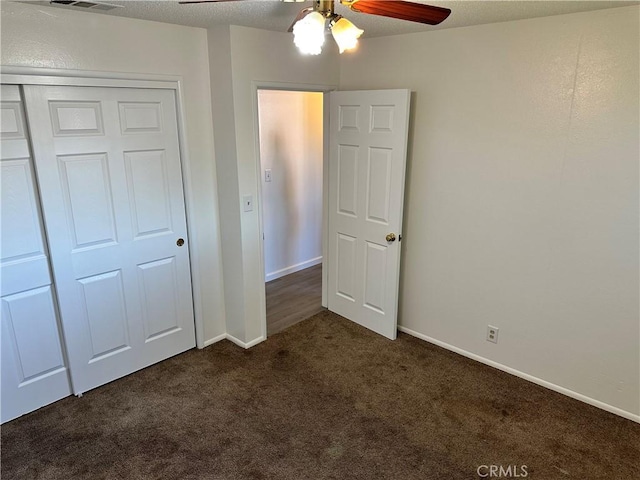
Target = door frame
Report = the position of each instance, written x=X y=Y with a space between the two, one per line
x=88 y=78
x=292 y=87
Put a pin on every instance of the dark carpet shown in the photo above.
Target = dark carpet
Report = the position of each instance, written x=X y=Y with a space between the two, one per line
x=325 y=399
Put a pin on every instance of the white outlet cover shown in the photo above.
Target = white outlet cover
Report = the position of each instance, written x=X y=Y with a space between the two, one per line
x=492 y=334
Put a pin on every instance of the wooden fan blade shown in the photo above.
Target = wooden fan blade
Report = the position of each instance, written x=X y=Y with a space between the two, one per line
x=206 y=1
x=414 y=12
x=303 y=13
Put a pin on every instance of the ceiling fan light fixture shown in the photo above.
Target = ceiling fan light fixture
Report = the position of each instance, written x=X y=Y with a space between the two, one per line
x=308 y=33
x=345 y=34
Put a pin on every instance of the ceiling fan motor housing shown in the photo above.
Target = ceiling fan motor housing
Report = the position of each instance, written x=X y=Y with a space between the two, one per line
x=324 y=7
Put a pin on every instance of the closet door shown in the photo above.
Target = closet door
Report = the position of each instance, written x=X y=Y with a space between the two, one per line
x=108 y=165
x=33 y=365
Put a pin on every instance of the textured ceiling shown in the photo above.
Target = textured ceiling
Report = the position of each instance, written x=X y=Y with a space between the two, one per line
x=276 y=15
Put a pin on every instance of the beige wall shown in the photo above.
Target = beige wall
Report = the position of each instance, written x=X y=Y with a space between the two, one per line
x=291 y=138
x=47 y=37
x=258 y=58
x=522 y=194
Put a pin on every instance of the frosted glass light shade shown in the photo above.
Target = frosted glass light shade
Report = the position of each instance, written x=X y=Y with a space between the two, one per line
x=345 y=34
x=308 y=33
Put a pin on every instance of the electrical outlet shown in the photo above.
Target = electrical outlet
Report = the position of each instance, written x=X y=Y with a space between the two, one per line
x=492 y=334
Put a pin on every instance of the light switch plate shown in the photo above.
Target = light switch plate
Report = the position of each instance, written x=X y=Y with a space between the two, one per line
x=247 y=203
x=267 y=175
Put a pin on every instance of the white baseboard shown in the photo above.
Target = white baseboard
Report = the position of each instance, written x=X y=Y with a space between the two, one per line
x=526 y=376
x=213 y=340
x=231 y=338
x=245 y=345
x=292 y=269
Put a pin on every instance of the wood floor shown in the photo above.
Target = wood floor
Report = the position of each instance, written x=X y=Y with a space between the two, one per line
x=293 y=298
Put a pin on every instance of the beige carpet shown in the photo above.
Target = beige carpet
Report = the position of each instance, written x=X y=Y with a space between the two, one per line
x=325 y=399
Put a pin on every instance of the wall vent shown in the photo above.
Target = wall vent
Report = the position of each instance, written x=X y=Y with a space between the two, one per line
x=84 y=4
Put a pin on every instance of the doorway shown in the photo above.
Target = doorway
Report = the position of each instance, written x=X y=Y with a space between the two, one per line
x=291 y=146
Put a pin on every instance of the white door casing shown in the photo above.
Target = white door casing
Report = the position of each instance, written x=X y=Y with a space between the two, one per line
x=108 y=165
x=34 y=373
x=368 y=145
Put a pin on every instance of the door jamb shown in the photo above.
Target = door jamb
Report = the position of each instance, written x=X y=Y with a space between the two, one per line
x=87 y=78
x=299 y=87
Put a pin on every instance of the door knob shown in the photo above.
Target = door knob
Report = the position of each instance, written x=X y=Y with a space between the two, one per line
x=180 y=242
x=391 y=237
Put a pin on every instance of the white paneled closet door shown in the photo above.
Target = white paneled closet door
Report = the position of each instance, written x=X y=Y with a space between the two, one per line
x=108 y=166
x=33 y=366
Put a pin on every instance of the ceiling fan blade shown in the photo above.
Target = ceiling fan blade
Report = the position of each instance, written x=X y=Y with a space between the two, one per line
x=414 y=12
x=303 y=13
x=206 y=1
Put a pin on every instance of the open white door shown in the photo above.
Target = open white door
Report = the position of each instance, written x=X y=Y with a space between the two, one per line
x=368 y=147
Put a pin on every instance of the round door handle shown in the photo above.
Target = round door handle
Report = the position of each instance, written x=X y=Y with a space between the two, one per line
x=180 y=242
x=391 y=237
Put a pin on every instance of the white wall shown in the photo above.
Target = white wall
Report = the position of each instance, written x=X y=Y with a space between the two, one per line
x=291 y=137
x=522 y=194
x=221 y=84
x=53 y=38
x=257 y=58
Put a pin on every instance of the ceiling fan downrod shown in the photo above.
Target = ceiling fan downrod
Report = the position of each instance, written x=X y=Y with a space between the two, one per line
x=324 y=7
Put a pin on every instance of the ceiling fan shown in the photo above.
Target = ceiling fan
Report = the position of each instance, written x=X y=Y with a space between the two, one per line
x=311 y=23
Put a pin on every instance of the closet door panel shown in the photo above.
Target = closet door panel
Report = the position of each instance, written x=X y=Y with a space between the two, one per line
x=34 y=373
x=31 y=324
x=109 y=170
